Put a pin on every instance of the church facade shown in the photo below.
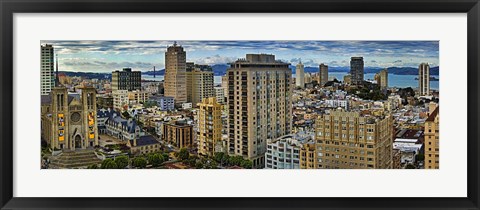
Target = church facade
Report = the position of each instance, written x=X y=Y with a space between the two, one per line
x=69 y=121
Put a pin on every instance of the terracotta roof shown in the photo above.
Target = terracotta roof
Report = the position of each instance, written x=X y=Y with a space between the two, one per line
x=432 y=116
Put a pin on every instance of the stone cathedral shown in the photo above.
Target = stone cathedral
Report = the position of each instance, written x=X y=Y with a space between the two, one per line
x=69 y=121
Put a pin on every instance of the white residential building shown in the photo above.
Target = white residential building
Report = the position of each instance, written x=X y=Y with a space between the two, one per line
x=120 y=99
x=300 y=75
x=220 y=95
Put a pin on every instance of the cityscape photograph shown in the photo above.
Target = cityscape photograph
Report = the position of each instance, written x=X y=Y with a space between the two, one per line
x=239 y=104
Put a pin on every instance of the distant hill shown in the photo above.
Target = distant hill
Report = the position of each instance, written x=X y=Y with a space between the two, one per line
x=89 y=75
x=221 y=69
x=391 y=70
x=218 y=70
x=157 y=72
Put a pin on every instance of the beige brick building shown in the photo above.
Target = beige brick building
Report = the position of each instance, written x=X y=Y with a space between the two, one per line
x=137 y=96
x=259 y=105
x=199 y=83
x=175 y=78
x=352 y=140
x=382 y=78
x=209 y=126
x=308 y=156
x=432 y=144
x=178 y=133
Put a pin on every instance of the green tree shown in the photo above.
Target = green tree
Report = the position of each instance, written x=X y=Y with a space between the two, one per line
x=210 y=164
x=183 y=154
x=410 y=166
x=199 y=165
x=93 y=166
x=191 y=161
x=420 y=157
x=219 y=156
x=139 y=162
x=222 y=158
x=108 y=164
x=246 y=164
x=155 y=159
x=149 y=104
x=235 y=160
x=165 y=157
x=122 y=161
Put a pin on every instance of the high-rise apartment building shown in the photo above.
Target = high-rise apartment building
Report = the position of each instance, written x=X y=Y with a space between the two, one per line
x=209 y=126
x=356 y=70
x=382 y=79
x=126 y=80
x=225 y=84
x=424 y=79
x=353 y=140
x=175 y=70
x=259 y=105
x=199 y=82
x=47 y=78
x=220 y=94
x=300 y=75
x=432 y=145
x=322 y=74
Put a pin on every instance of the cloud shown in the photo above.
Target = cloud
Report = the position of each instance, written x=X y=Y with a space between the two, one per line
x=101 y=66
x=215 y=59
x=110 y=55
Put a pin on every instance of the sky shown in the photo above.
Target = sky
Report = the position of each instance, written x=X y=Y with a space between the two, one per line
x=107 y=56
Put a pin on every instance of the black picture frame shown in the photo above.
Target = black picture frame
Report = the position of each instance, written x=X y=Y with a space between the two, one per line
x=10 y=7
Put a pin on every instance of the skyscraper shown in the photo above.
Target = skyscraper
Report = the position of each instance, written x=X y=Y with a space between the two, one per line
x=225 y=84
x=175 y=78
x=356 y=70
x=259 y=105
x=199 y=80
x=323 y=74
x=209 y=126
x=47 y=78
x=382 y=78
x=432 y=140
x=424 y=79
x=348 y=140
x=126 y=80
x=300 y=75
